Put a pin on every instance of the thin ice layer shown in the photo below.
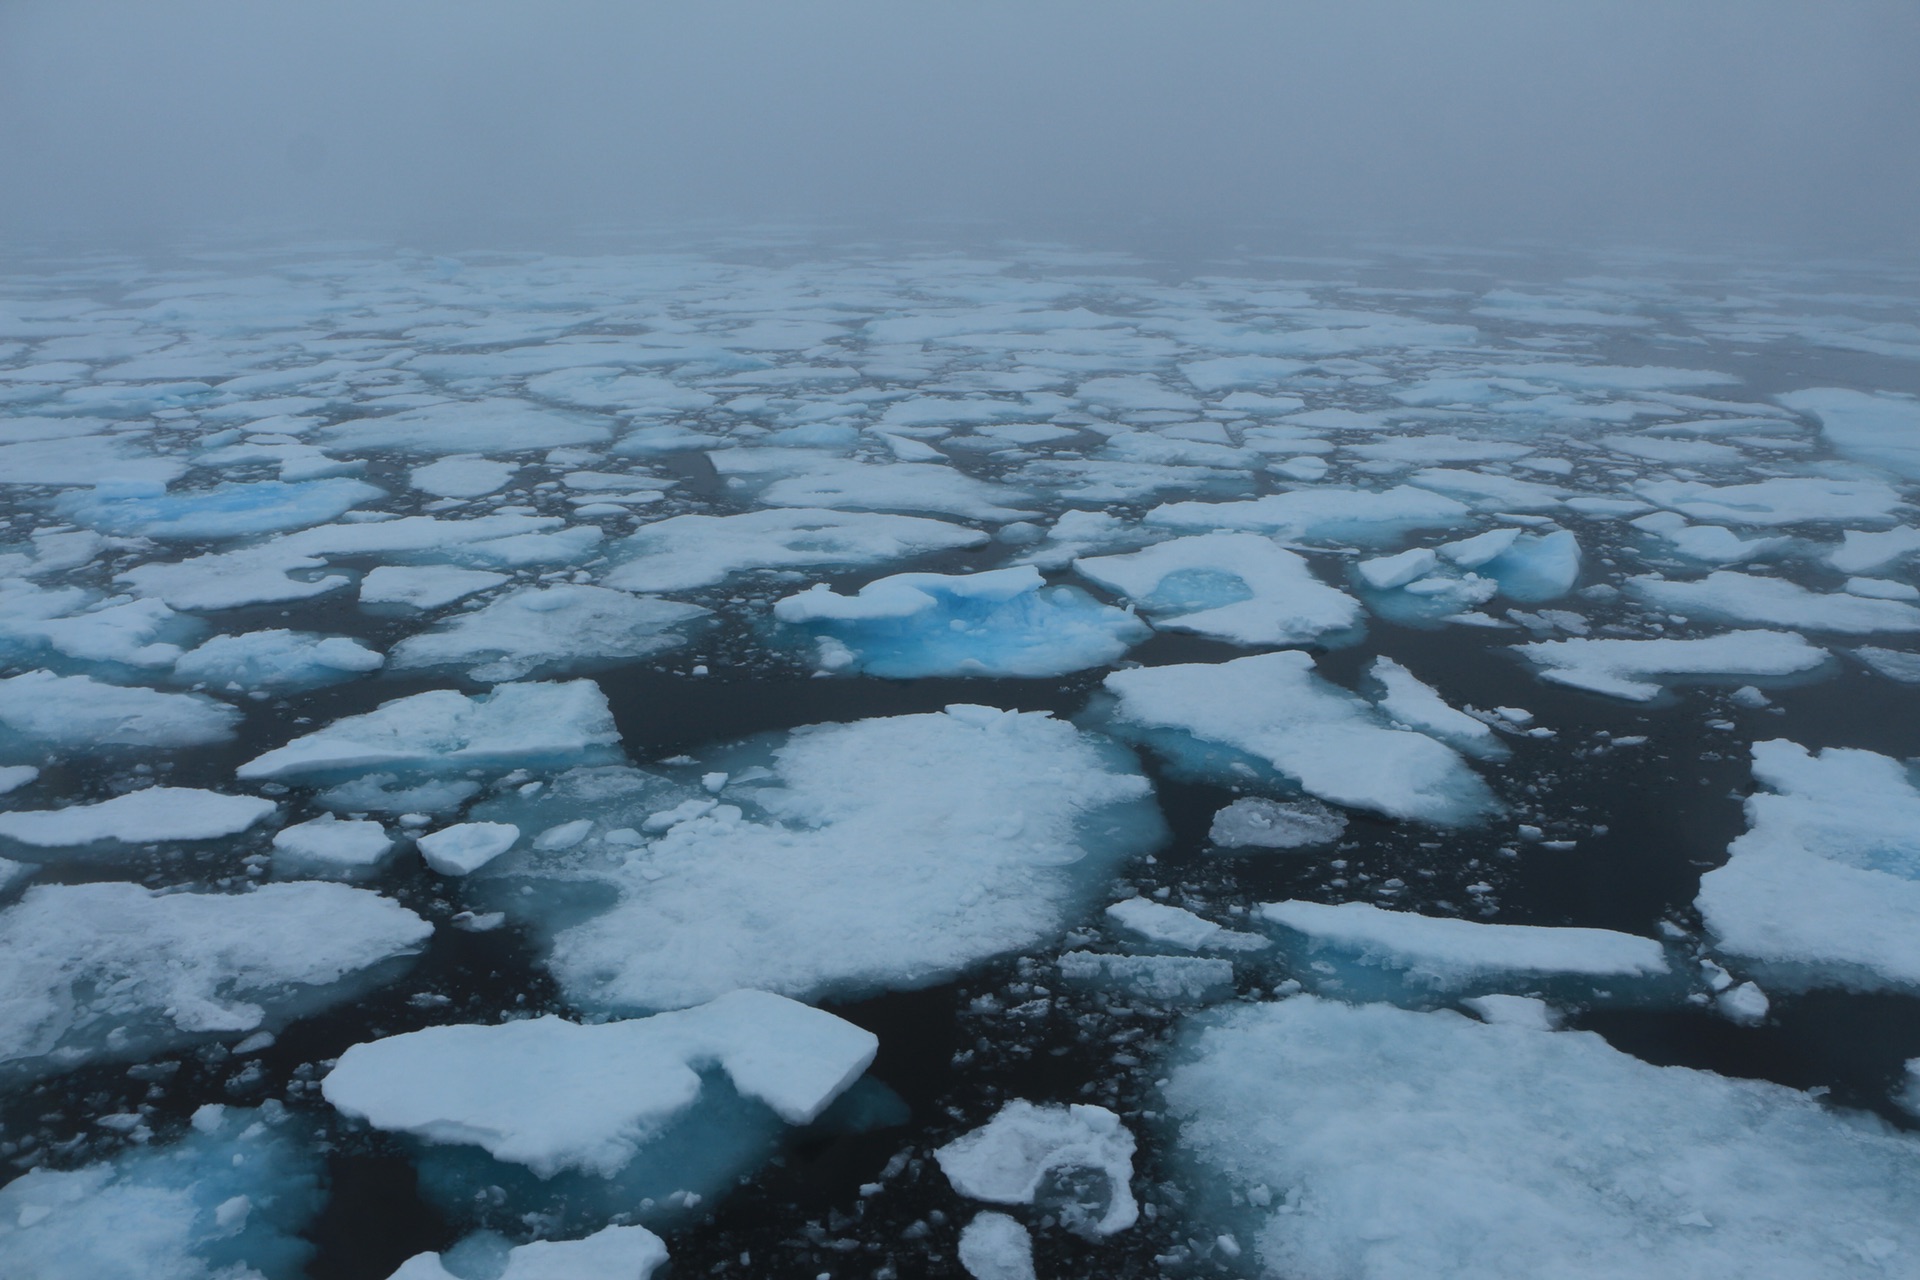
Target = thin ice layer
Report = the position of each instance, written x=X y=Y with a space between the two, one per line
x=443 y=731
x=1381 y=1144
x=1823 y=888
x=117 y=972
x=554 y=1095
x=1271 y=711
x=1238 y=587
x=856 y=857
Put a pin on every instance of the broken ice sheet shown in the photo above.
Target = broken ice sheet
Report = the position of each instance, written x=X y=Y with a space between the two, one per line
x=548 y=631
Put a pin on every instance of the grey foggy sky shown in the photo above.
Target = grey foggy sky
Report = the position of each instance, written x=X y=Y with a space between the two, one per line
x=1475 y=119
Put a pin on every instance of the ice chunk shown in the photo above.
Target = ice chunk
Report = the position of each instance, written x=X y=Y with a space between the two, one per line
x=612 y=1253
x=327 y=848
x=1322 y=514
x=15 y=776
x=75 y=623
x=1824 y=887
x=1410 y=701
x=225 y=511
x=685 y=552
x=117 y=972
x=1167 y=980
x=139 y=817
x=1238 y=587
x=547 y=630
x=1442 y=952
x=555 y=1095
x=882 y=853
x=1879 y=428
x=1638 y=669
x=1725 y=596
x=1272 y=715
x=81 y=713
x=1514 y=1011
x=1181 y=929
x=228 y=1201
x=461 y=476
x=389 y=793
x=1076 y=1161
x=1254 y=823
x=425 y=586
x=995 y=1247
x=465 y=847
x=1402 y=1144
x=277 y=659
x=442 y=731
x=1004 y=622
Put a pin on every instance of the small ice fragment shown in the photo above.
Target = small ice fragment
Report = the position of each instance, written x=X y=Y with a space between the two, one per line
x=995 y=1247
x=1074 y=1160
x=1254 y=823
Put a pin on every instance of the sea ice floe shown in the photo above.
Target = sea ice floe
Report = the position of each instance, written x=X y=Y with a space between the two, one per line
x=799 y=478
x=1238 y=587
x=1879 y=428
x=1444 y=953
x=465 y=847
x=547 y=631
x=611 y=1253
x=995 y=1247
x=276 y=660
x=1180 y=929
x=1003 y=622
x=78 y=625
x=1322 y=514
x=225 y=511
x=443 y=731
x=492 y=426
x=1894 y=664
x=327 y=848
x=852 y=858
x=1410 y=701
x=554 y=1095
x=1706 y=543
x=228 y=1201
x=1823 y=889
x=1370 y=1141
x=1253 y=822
x=461 y=476
x=1165 y=980
x=79 y=713
x=117 y=972
x=424 y=586
x=1778 y=501
x=1641 y=669
x=139 y=817
x=1268 y=718
x=682 y=553
x=1726 y=596
x=1075 y=1161
x=1868 y=552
